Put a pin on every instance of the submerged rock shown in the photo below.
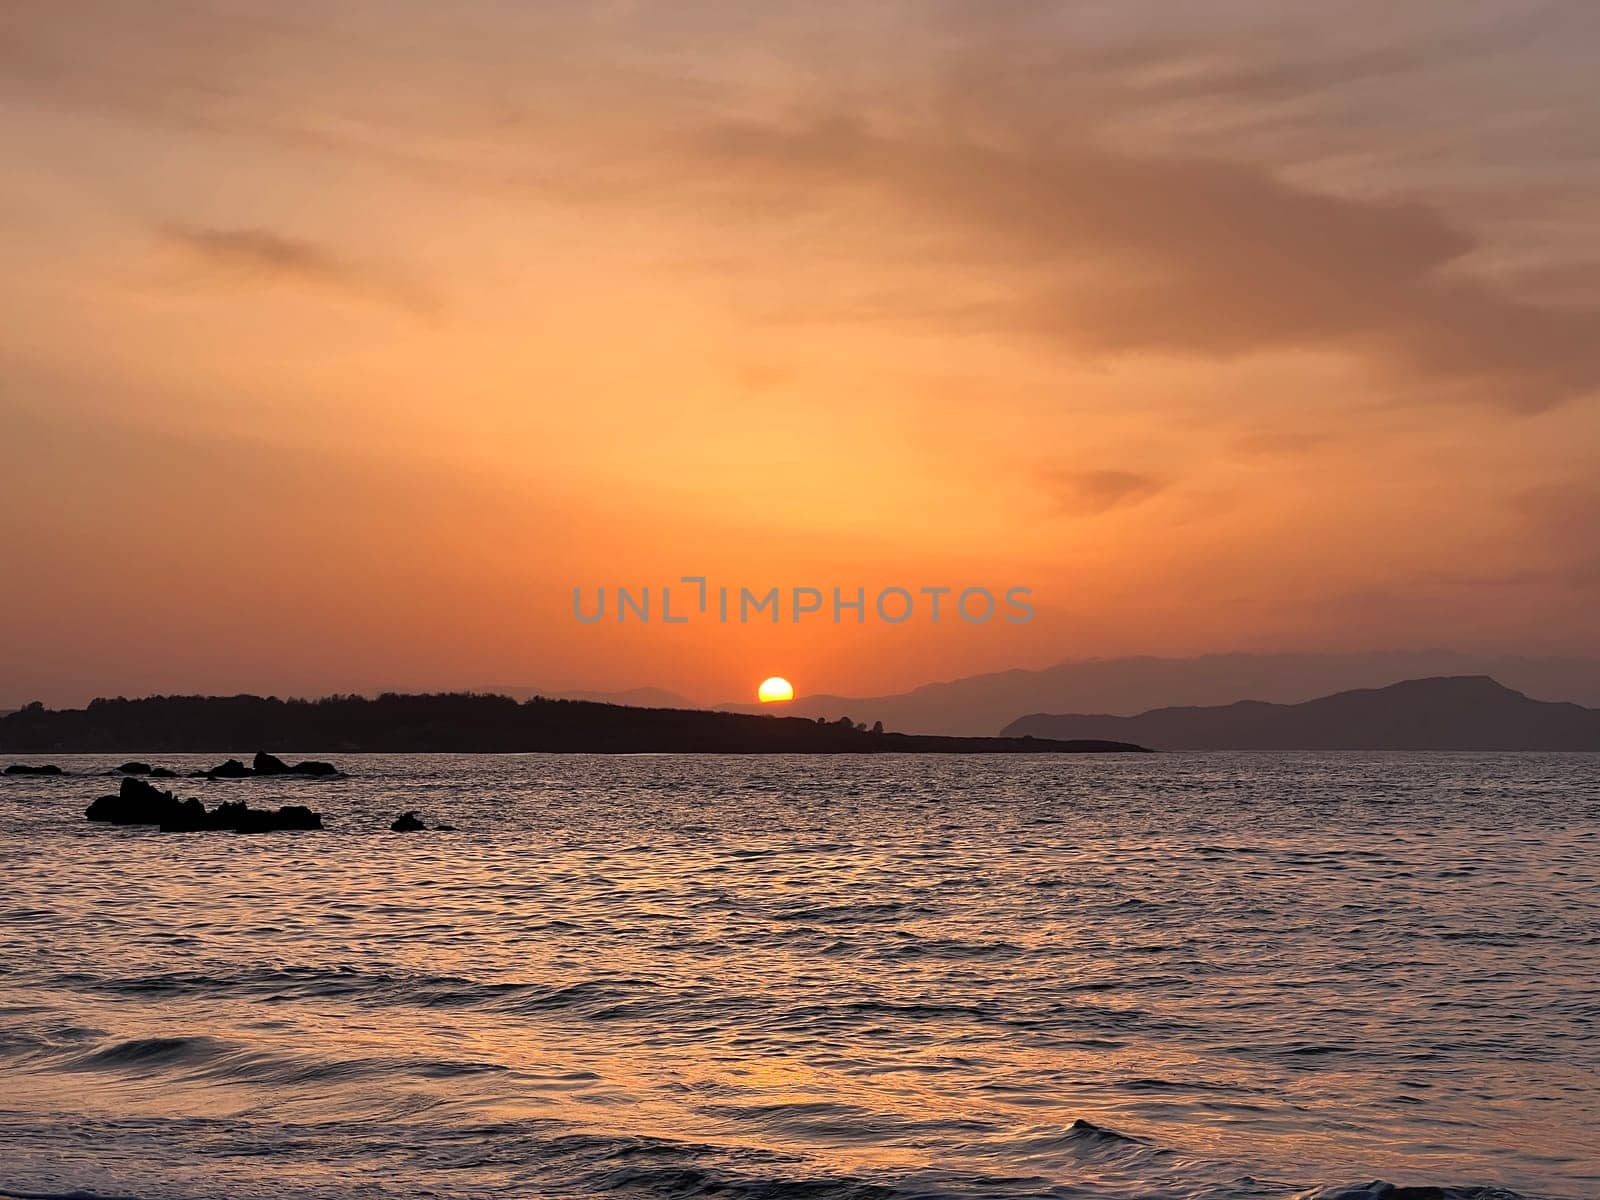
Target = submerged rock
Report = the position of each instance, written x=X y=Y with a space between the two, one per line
x=25 y=769
x=407 y=822
x=135 y=768
x=232 y=769
x=163 y=773
x=312 y=767
x=140 y=803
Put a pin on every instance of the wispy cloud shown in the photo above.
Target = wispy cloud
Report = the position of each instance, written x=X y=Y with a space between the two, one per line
x=261 y=255
x=1004 y=147
x=1272 y=443
x=1195 y=257
x=1090 y=493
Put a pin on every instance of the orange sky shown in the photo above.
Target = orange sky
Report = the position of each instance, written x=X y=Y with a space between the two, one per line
x=341 y=341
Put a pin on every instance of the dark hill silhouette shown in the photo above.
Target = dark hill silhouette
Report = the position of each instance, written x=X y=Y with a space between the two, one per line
x=1454 y=713
x=459 y=722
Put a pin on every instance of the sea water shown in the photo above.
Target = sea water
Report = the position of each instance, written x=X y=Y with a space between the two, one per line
x=807 y=977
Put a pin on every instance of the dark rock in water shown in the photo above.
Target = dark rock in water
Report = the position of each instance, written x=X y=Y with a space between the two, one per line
x=239 y=817
x=139 y=803
x=444 y=828
x=269 y=764
x=135 y=768
x=163 y=773
x=25 y=769
x=407 y=822
x=185 y=816
x=227 y=815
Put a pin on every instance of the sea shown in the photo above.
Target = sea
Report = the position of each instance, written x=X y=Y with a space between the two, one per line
x=1343 y=976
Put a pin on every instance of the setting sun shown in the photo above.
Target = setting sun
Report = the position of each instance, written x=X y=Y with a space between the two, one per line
x=775 y=690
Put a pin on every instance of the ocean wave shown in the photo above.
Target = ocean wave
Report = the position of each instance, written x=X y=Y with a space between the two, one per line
x=684 y=1181
x=199 y=1059
x=638 y=1167
x=428 y=1154
x=1380 y=1190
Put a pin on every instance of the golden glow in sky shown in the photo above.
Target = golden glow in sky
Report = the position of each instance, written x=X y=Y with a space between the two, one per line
x=775 y=690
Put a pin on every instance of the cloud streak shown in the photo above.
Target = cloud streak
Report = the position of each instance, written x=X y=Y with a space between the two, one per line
x=1090 y=493
x=261 y=255
x=1193 y=257
x=1001 y=147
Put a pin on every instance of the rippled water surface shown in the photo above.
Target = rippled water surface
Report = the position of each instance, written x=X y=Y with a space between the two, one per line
x=812 y=977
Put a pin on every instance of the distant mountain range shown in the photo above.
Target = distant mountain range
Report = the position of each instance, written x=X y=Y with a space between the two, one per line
x=982 y=704
x=1460 y=713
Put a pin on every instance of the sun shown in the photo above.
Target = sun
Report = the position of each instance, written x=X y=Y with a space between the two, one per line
x=775 y=690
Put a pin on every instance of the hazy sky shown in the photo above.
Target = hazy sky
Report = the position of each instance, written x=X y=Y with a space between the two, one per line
x=340 y=341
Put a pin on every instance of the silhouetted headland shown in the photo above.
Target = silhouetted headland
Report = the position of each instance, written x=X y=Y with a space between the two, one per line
x=1461 y=713
x=467 y=723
